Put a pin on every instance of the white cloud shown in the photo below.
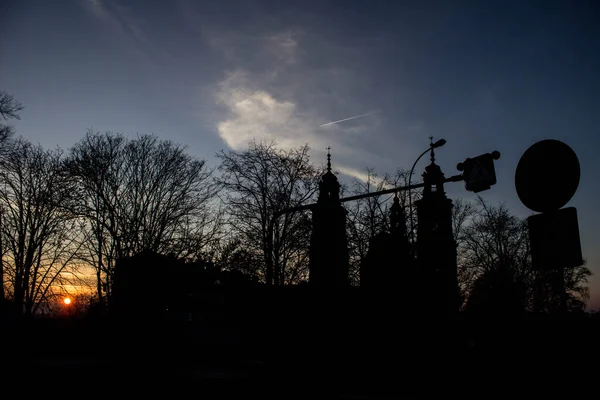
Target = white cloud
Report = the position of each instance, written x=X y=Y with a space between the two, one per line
x=353 y=173
x=285 y=90
x=256 y=114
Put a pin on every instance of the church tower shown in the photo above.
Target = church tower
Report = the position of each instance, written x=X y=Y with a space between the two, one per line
x=328 y=247
x=436 y=248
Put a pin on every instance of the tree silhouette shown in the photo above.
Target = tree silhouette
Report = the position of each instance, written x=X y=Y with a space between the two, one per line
x=234 y=256
x=495 y=267
x=259 y=183
x=140 y=195
x=370 y=216
x=366 y=218
x=37 y=227
x=462 y=214
x=576 y=292
x=9 y=109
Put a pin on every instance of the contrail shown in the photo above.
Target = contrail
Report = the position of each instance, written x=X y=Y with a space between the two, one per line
x=347 y=119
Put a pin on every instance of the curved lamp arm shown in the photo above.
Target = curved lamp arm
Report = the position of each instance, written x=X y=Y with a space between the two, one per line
x=409 y=191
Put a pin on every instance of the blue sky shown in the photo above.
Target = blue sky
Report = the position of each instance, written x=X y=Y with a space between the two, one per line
x=213 y=74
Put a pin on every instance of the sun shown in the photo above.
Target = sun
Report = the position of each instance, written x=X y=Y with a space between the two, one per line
x=67 y=301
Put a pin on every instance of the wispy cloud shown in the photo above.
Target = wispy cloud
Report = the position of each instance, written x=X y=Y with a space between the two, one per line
x=102 y=10
x=122 y=22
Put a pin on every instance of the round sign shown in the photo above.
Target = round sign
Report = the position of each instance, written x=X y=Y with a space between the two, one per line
x=547 y=175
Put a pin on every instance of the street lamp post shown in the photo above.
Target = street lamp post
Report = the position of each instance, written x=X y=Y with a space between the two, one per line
x=432 y=146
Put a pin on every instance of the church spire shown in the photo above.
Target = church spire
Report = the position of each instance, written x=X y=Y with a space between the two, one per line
x=328 y=266
x=329 y=187
x=433 y=178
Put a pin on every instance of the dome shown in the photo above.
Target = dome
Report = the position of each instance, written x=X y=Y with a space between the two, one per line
x=433 y=173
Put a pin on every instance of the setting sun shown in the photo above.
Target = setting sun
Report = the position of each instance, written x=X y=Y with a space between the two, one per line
x=67 y=301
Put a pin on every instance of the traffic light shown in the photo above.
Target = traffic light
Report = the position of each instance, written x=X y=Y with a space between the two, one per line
x=479 y=173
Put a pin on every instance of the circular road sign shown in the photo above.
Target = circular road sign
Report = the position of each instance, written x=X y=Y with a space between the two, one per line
x=547 y=175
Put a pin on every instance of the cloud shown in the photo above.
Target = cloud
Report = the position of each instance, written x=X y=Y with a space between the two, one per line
x=284 y=46
x=123 y=22
x=353 y=173
x=288 y=85
x=254 y=113
x=102 y=11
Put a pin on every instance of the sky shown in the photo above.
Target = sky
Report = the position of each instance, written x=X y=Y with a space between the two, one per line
x=213 y=75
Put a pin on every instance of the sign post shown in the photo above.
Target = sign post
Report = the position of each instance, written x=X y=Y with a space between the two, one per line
x=546 y=178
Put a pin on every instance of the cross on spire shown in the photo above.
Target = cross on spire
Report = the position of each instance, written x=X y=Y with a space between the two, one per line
x=328 y=159
x=432 y=158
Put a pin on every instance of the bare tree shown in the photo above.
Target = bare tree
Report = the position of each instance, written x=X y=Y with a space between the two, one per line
x=36 y=227
x=370 y=216
x=463 y=212
x=366 y=218
x=495 y=263
x=495 y=252
x=9 y=109
x=140 y=195
x=259 y=183
x=234 y=256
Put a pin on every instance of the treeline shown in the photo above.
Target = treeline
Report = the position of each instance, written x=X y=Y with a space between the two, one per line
x=68 y=216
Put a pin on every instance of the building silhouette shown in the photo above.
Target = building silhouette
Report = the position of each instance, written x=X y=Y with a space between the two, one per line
x=329 y=263
x=436 y=247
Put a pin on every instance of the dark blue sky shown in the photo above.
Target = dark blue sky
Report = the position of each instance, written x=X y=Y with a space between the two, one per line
x=483 y=75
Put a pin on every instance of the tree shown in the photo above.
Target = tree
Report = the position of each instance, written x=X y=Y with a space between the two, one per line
x=462 y=214
x=495 y=266
x=9 y=109
x=546 y=297
x=366 y=218
x=259 y=183
x=495 y=260
x=36 y=230
x=369 y=216
x=234 y=256
x=140 y=195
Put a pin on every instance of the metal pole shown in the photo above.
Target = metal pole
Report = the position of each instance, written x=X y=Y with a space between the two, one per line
x=382 y=192
x=454 y=178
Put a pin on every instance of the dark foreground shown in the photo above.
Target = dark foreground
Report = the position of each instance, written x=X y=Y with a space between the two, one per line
x=416 y=358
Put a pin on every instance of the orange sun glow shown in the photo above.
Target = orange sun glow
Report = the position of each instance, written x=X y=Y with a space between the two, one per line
x=67 y=301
